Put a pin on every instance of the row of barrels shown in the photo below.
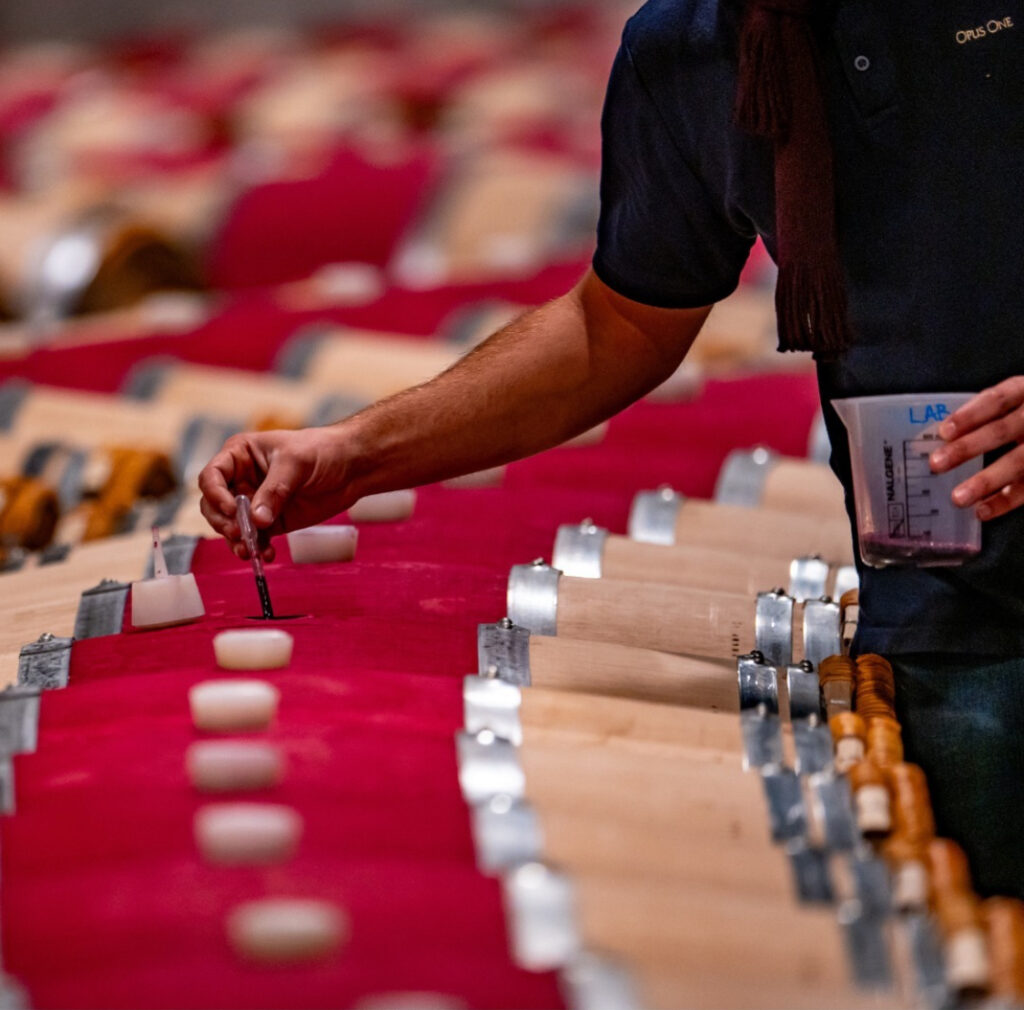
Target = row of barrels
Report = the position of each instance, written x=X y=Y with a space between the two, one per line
x=684 y=775
x=147 y=173
x=620 y=782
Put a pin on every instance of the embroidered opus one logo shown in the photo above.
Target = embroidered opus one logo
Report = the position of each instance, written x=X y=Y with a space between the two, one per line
x=981 y=31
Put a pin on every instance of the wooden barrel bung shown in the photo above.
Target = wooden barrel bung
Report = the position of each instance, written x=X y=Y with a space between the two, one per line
x=871 y=799
x=848 y=735
x=1004 y=922
x=29 y=511
x=666 y=517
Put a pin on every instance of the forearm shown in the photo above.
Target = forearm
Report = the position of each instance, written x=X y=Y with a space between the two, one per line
x=546 y=377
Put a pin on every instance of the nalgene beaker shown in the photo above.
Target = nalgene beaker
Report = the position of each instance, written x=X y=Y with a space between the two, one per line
x=905 y=515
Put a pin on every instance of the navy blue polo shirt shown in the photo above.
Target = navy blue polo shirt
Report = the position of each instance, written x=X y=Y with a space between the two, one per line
x=924 y=106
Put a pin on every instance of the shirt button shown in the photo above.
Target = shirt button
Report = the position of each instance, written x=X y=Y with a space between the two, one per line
x=861 y=63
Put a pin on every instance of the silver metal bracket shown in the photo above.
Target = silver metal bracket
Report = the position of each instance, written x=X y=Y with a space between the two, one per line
x=741 y=479
x=19 y=720
x=488 y=767
x=871 y=882
x=201 y=439
x=13 y=393
x=819 y=446
x=71 y=462
x=593 y=982
x=101 y=610
x=811 y=737
x=653 y=514
x=867 y=946
x=773 y=627
x=928 y=962
x=12 y=995
x=334 y=408
x=147 y=378
x=503 y=650
x=845 y=580
x=541 y=915
x=53 y=555
x=833 y=806
x=579 y=550
x=808 y=578
x=822 y=632
x=812 y=877
x=787 y=815
x=45 y=663
x=533 y=597
x=293 y=360
x=506 y=833
x=179 y=549
x=7 y=804
x=492 y=704
x=759 y=712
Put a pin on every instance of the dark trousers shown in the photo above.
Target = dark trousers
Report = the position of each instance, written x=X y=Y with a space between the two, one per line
x=963 y=723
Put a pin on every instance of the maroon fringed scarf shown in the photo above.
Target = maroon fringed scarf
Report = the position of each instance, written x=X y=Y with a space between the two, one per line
x=779 y=95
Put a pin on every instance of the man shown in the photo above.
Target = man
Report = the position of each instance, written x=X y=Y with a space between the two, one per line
x=879 y=159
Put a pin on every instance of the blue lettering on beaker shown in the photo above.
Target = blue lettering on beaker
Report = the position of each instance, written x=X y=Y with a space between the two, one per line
x=932 y=412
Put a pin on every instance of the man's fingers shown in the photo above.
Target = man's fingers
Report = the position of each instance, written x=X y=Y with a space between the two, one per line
x=991 y=436
x=1007 y=498
x=283 y=477
x=226 y=526
x=1007 y=471
x=990 y=404
x=216 y=479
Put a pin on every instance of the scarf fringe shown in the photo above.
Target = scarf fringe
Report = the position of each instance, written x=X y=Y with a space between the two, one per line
x=763 y=99
x=810 y=305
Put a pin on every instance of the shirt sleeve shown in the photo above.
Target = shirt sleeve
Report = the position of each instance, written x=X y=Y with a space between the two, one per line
x=666 y=236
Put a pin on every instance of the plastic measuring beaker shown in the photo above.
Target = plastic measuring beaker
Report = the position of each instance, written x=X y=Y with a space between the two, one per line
x=905 y=515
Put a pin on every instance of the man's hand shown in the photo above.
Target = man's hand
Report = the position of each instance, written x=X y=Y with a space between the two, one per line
x=992 y=419
x=294 y=479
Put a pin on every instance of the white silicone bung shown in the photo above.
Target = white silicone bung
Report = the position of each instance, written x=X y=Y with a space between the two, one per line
x=241 y=834
x=284 y=930
x=159 y=603
x=849 y=751
x=253 y=649
x=220 y=766
x=910 y=886
x=872 y=803
x=967 y=965
x=223 y=706
x=323 y=544
x=388 y=507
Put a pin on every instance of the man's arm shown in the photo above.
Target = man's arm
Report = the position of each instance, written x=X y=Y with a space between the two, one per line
x=544 y=378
